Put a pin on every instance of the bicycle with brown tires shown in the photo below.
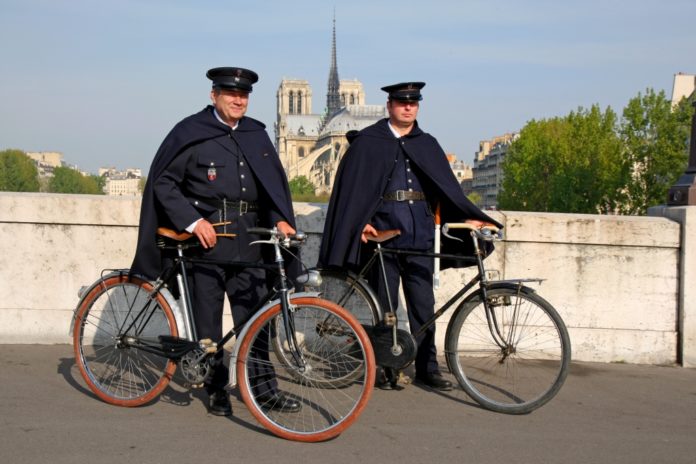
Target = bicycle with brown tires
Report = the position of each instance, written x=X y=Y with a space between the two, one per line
x=507 y=347
x=130 y=334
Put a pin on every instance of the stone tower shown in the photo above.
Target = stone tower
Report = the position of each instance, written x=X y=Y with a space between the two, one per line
x=294 y=96
x=333 y=96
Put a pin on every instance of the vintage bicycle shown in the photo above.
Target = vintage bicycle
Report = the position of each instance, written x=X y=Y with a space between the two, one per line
x=508 y=348
x=129 y=335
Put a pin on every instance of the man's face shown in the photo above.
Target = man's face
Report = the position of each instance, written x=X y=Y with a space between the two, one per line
x=402 y=113
x=230 y=104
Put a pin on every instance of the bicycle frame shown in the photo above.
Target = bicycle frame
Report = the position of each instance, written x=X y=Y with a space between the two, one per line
x=480 y=278
x=183 y=309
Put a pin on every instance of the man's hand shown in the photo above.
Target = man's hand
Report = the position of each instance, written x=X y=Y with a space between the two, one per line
x=205 y=232
x=478 y=224
x=367 y=230
x=285 y=228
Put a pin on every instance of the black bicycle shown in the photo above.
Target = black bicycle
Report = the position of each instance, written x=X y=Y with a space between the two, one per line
x=129 y=335
x=507 y=347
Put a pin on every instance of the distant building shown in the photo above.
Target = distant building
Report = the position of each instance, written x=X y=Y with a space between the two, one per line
x=684 y=86
x=46 y=161
x=121 y=182
x=310 y=144
x=487 y=170
x=461 y=170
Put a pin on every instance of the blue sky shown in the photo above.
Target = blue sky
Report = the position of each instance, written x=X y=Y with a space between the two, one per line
x=104 y=81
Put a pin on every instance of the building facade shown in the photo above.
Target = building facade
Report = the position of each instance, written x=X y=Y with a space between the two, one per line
x=684 y=86
x=312 y=144
x=121 y=182
x=488 y=169
x=46 y=161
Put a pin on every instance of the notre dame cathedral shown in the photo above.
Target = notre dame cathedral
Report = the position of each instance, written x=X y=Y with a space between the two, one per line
x=310 y=144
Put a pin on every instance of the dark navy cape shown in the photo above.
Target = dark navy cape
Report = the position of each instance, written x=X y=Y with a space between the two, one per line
x=361 y=180
x=258 y=151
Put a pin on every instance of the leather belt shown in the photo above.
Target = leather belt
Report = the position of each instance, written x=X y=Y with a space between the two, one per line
x=238 y=206
x=404 y=195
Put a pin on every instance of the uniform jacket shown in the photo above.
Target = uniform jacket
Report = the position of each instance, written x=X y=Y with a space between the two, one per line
x=361 y=181
x=258 y=151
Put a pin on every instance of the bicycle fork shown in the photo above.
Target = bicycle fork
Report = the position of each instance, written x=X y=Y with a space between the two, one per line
x=506 y=345
x=288 y=321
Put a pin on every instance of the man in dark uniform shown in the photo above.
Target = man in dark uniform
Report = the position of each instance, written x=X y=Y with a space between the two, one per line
x=218 y=166
x=392 y=177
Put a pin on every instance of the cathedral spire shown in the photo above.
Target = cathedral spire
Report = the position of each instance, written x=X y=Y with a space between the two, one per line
x=333 y=98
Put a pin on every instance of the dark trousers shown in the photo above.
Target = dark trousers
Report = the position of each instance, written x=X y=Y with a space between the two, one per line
x=244 y=288
x=416 y=276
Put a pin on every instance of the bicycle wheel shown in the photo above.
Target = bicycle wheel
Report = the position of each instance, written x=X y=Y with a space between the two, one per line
x=528 y=363
x=351 y=293
x=339 y=344
x=117 y=373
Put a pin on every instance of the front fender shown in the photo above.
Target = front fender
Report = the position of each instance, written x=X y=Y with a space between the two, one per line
x=235 y=349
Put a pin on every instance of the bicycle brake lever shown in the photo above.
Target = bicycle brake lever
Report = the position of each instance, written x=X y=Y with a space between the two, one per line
x=257 y=242
x=444 y=231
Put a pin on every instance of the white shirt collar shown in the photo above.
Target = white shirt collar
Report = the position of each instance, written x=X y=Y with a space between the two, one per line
x=220 y=119
x=394 y=131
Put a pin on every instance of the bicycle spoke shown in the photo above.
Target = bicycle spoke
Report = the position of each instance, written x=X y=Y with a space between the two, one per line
x=117 y=372
x=326 y=404
x=527 y=370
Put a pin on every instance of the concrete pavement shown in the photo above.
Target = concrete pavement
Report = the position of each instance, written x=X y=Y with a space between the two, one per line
x=605 y=413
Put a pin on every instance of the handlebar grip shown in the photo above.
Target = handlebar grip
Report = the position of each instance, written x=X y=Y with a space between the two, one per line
x=259 y=231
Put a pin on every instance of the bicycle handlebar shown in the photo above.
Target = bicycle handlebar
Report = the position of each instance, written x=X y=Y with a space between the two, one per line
x=297 y=239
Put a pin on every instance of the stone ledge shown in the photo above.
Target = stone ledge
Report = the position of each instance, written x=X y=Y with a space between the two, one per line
x=54 y=208
x=591 y=229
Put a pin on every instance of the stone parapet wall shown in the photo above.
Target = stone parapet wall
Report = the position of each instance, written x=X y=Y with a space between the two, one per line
x=615 y=280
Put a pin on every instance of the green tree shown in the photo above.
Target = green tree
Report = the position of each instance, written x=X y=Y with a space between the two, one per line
x=565 y=164
x=18 y=172
x=654 y=137
x=100 y=182
x=67 y=180
x=300 y=185
x=475 y=198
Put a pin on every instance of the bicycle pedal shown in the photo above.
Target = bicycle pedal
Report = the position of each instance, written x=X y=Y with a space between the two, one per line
x=389 y=319
x=207 y=345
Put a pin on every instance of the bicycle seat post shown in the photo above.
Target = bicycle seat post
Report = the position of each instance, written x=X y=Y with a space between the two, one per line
x=184 y=294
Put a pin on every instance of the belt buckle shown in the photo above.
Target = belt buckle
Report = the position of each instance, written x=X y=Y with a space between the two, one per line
x=401 y=195
x=243 y=207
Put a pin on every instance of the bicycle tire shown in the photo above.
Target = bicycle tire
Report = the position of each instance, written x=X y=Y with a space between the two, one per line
x=518 y=379
x=116 y=373
x=349 y=292
x=352 y=293
x=326 y=412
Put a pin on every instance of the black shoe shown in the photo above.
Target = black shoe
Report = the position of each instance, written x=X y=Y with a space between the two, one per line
x=278 y=402
x=435 y=381
x=219 y=403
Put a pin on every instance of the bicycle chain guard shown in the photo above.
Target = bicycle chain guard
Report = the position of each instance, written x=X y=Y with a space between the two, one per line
x=382 y=340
